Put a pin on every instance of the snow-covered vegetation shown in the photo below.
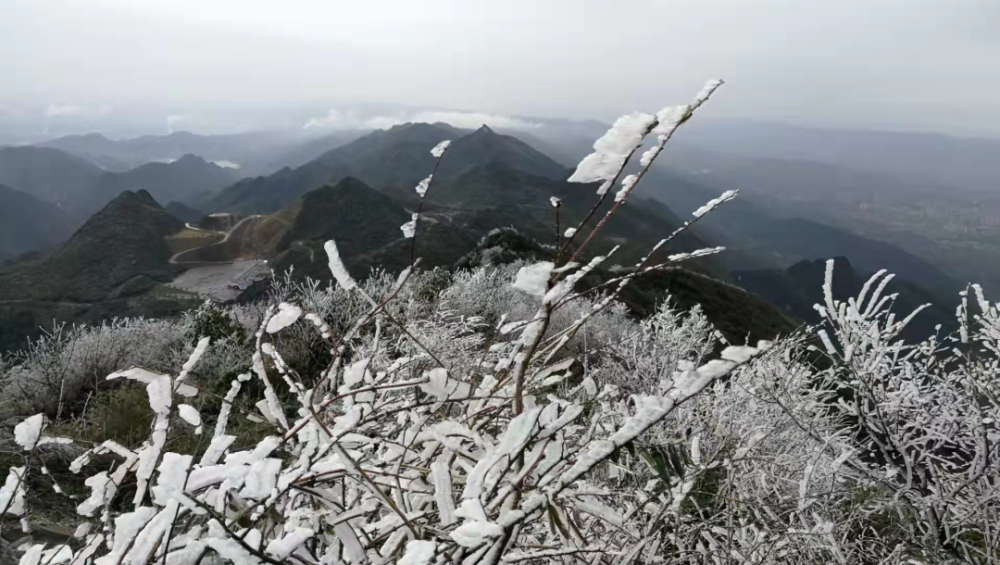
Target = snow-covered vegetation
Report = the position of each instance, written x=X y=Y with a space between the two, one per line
x=505 y=414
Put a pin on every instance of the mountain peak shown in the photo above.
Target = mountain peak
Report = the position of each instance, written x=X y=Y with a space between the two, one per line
x=138 y=197
x=487 y=146
x=93 y=136
x=120 y=250
x=192 y=159
x=351 y=183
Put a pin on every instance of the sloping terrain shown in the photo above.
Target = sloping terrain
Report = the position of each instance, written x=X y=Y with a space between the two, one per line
x=49 y=174
x=30 y=224
x=187 y=180
x=799 y=287
x=81 y=188
x=394 y=159
x=121 y=250
x=113 y=266
x=483 y=172
x=183 y=212
x=244 y=149
x=253 y=237
x=756 y=238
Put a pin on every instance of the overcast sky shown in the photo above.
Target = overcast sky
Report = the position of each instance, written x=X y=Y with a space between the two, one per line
x=879 y=64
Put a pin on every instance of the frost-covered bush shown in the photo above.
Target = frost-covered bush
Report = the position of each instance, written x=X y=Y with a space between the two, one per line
x=65 y=363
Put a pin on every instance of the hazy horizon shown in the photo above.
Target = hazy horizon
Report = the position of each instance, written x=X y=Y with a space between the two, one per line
x=235 y=66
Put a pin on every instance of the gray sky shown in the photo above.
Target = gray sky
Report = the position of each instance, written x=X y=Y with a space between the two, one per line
x=879 y=64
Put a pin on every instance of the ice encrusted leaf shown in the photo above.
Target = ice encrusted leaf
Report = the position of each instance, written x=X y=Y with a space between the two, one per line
x=189 y=414
x=159 y=394
x=475 y=533
x=556 y=201
x=627 y=184
x=337 y=267
x=441 y=475
x=423 y=185
x=356 y=373
x=613 y=148
x=12 y=492
x=669 y=118
x=410 y=228
x=261 y=479
x=440 y=148
x=442 y=387
x=287 y=315
x=649 y=154
x=715 y=203
x=418 y=552
x=26 y=433
x=199 y=351
x=102 y=488
x=283 y=547
x=707 y=90
x=570 y=232
x=533 y=279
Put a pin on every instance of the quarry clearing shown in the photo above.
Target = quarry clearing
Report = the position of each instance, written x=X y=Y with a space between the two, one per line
x=221 y=281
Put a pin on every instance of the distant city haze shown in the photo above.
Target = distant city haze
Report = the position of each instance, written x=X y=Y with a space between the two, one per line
x=155 y=66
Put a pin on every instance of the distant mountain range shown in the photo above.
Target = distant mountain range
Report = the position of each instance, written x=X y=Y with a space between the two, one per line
x=916 y=157
x=760 y=236
x=483 y=173
x=81 y=188
x=358 y=188
x=189 y=179
x=123 y=154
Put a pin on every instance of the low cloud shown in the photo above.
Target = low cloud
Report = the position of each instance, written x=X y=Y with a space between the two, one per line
x=174 y=121
x=76 y=111
x=336 y=120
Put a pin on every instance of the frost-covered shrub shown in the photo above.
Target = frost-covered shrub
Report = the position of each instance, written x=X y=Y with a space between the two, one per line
x=63 y=365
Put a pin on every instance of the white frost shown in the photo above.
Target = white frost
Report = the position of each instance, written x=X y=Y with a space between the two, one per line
x=627 y=184
x=409 y=228
x=418 y=552
x=555 y=200
x=189 y=414
x=669 y=118
x=337 y=266
x=715 y=203
x=287 y=315
x=613 y=148
x=440 y=148
x=261 y=479
x=570 y=232
x=26 y=433
x=707 y=90
x=424 y=185
x=282 y=548
x=534 y=279
x=12 y=492
x=159 y=394
x=649 y=155
x=356 y=373
x=474 y=533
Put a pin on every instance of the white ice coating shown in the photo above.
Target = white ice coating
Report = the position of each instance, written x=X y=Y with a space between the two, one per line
x=337 y=267
x=613 y=148
x=533 y=279
x=287 y=315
